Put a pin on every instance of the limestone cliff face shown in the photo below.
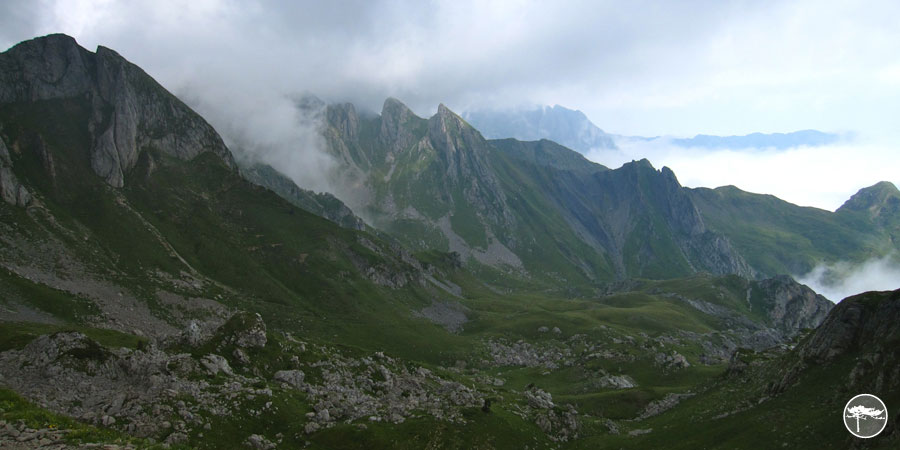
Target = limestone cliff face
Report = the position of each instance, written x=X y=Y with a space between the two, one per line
x=130 y=111
x=640 y=198
x=395 y=134
x=793 y=306
x=11 y=191
x=463 y=157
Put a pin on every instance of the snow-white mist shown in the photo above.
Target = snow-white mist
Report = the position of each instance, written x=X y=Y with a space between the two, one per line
x=841 y=280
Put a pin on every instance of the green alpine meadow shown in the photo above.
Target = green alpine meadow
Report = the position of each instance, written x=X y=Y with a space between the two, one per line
x=180 y=270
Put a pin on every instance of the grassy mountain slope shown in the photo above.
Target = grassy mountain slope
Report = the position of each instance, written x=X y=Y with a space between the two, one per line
x=779 y=237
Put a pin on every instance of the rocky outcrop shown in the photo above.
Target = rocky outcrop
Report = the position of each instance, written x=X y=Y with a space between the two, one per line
x=20 y=436
x=130 y=112
x=865 y=323
x=524 y=354
x=293 y=378
x=560 y=423
x=609 y=381
x=862 y=327
x=376 y=388
x=245 y=330
x=791 y=305
x=788 y=308
x=673 y=360
x=11 y=191
x=150 y=392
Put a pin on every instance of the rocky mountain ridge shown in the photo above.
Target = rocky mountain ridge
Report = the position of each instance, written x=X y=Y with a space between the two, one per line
x=129 y=111
x=437 y=183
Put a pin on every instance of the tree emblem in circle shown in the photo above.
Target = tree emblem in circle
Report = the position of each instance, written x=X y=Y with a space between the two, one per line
x=865 y=416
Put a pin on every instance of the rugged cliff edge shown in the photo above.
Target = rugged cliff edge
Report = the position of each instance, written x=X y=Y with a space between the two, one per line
x=864 y=328
x=129 y=111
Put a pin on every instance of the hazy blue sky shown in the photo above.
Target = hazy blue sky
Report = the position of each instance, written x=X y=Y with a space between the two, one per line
x=640 y=68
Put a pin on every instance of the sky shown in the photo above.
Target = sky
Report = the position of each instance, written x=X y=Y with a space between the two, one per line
x=635 y=68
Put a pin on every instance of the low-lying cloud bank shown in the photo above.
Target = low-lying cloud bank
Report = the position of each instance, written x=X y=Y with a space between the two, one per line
x=823 y=176
x=841 y=280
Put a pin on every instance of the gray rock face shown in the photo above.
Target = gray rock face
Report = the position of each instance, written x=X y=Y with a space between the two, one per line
x=616 y=382
x=463 y=152
x=559 y=423
x=192 y=334
x=377 y=388
x=216 y=364
x=853 y=325
x=130 y=390
x=521 y=353
x=794 y=306
x=292 y=377
x=538 y=398
x=393 y=134
x=253 y=335
x=862 y=328
x=259 y=442
x=11 y=191
x=130 y=111
x=672 y=360
x=245 y=330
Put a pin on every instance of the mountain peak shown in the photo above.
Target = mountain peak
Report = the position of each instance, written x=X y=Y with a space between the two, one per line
x=56 y=40
x=444 y=111
x=398 y=126
x=129 y=111
x=393 y=106
x=881 y=197
x=642 y=163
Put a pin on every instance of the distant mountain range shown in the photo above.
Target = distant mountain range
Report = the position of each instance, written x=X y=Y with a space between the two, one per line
x=564 y=126
x=810 y=138
x=573 y=129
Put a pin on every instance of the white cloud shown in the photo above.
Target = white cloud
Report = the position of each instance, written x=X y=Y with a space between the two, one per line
x=841 y=280
x=823 y=177
x=717 y=67
x=644 y=68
